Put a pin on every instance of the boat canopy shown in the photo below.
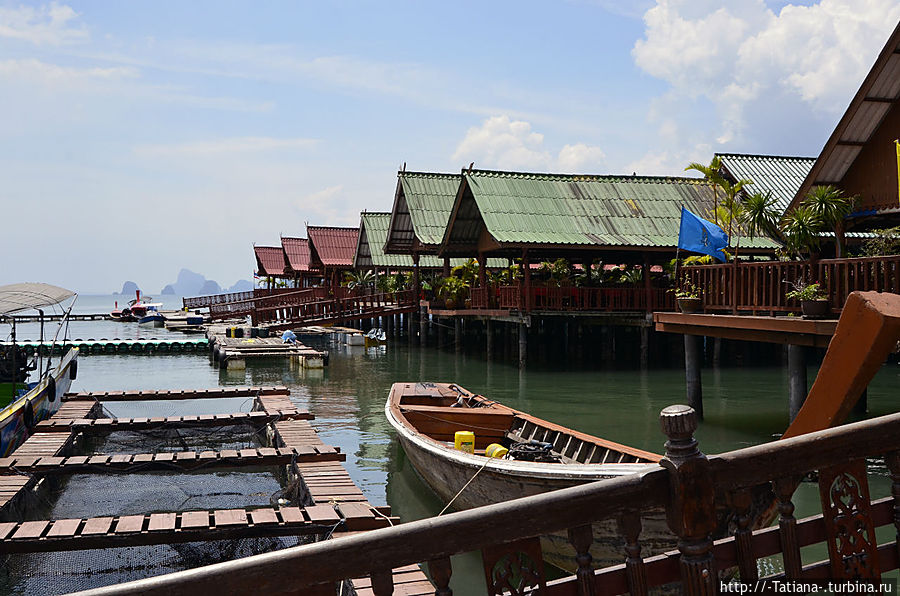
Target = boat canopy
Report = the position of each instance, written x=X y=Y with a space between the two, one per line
x=18 y=297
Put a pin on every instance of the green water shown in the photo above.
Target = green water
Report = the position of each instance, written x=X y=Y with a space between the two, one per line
x=743 y=405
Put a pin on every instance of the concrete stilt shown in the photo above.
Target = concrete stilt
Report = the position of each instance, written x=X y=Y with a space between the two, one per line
x=423 y=322
x=523 y=344
x=489 y=338
x=717 y=351
x=692 y=360
x=797 y=378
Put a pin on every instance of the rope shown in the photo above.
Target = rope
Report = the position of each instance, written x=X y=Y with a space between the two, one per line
x=487 y=461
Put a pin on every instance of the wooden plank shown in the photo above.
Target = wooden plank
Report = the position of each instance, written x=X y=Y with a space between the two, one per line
x=63 y=528
x=195 y=519
x=30 y=529
x=322 y=514
x=6 y=528
x=96 y=525
x=291 y=515
x=130 y=523
x=230 y=517
x=263 y=516
x=160 y=522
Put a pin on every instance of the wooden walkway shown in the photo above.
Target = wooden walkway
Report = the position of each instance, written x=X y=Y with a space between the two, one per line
x=233 y=352
x=339 y=506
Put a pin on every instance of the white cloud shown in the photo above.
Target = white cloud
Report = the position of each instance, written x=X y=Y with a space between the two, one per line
x=507 y=144
x=224 y=146
x=34 y=70
x=51 y=24
x=740 y=55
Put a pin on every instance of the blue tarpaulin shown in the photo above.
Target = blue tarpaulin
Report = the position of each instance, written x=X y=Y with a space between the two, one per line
x=698 y=235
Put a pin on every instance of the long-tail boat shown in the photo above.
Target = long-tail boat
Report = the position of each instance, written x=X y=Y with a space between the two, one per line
x=24 y=401
x=544 y=456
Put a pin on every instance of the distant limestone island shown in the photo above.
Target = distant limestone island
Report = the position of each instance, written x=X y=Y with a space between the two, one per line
x=191 y=284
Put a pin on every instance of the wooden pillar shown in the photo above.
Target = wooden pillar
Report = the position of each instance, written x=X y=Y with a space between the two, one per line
x=645 y=346
x=717 y=351
x=796 y=378
x=648 y=286
x=692 y=361
x=417 y=290
x=489 y=338
x=446 y=271
x=482 y=270
x=441 y=334
x=457 y=332
x=526 y=267
x=523 y=344
x=423 y=322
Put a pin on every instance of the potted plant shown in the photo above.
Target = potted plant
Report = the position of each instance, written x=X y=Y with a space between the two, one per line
x=813 y=303
x=452 y=290
x=688 y=298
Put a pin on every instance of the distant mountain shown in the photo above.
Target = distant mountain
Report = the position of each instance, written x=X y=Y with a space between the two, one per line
x=241 y=285
x=195 y=284
x=129 y=288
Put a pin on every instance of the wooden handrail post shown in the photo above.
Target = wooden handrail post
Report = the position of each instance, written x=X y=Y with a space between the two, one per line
x=691 y=511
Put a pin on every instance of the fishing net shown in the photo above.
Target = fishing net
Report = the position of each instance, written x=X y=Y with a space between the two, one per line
x=142 y=492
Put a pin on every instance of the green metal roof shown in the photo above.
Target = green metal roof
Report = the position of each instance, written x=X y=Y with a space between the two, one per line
x=582 y=211
x=429 y=198
x=373 y=231
x=782 y=176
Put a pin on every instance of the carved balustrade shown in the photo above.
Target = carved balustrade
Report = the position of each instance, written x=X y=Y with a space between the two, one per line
x=716 y=509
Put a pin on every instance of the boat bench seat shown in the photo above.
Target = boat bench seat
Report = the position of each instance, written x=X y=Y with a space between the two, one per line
x=441 y=423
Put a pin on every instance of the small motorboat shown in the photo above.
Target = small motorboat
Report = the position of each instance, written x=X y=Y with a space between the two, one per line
x=137 y=309
x=375 y=337
x=152 y=317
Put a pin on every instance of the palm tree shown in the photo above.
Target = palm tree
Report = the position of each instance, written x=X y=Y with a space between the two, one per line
x=832 y=207
x=359 y=279
x=801 y=229
x=760 y=215
x=712 y=174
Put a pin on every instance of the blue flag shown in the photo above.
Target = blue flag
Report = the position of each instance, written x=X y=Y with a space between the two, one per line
x=698 y=235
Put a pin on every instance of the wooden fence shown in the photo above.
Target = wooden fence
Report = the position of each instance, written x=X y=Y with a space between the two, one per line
x=287 y=312
x=703 y=498
x=761 y=287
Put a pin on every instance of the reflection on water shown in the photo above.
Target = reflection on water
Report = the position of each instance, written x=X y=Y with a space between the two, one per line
x=744 y=406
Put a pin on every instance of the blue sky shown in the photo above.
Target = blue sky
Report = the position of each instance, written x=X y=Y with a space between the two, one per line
x=141 y=137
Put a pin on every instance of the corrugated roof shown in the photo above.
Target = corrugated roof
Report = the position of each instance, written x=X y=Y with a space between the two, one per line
x=877 y=95
x=334 y=247
x=518 y=208
x=373 y=230
x=780 y=175
x=296 y=253
x=422 y=204
x=269 y=260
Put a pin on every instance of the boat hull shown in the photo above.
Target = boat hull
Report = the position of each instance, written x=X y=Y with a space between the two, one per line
x=447 y=472
x=44 y=400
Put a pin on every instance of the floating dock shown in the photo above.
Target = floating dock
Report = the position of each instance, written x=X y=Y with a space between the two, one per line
x=333 y=505
x=103 y=345
x=233 y=352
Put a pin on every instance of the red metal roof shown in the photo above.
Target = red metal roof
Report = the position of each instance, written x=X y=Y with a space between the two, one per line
x=335 y=247
x=296 y=252
x=269 y=260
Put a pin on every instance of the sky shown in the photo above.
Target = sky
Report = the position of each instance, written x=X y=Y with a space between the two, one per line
x=137 y=138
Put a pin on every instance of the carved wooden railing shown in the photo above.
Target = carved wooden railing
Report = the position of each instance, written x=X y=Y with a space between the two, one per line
x=344 y=306
x=761 y=286
x=234 y=297
x=283 y=297
x=694 y=490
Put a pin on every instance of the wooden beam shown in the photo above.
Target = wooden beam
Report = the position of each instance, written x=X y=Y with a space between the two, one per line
x=100 y=425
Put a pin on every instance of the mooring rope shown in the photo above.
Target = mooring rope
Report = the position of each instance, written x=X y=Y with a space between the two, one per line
x=487 y=461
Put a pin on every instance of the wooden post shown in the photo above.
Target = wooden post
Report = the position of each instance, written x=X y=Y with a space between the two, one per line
x=417 y=286
x=648 y=286
x=482 y=270
x=446 y=271
x=441 y=571
x=796 y=378
x=457 y=332
x=692 y=359
x=423 y=322
x=645 y=346
x=691 y=511
x=526 y=266
x=489 y=337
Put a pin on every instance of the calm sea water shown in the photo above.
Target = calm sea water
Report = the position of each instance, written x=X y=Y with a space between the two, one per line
x=744 y=406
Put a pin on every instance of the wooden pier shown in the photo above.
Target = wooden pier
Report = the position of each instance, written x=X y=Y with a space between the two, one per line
x=233 y=352
x=333 y=504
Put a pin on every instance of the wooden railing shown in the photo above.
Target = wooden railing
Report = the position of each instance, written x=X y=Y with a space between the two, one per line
x=568 y=298
x=265 y=298
x=233 y=297
x=343 y=306
x=731 y=492
x=761 y=287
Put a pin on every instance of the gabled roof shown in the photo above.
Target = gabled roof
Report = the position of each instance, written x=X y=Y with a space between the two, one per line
x=296 y=253
x=269 y=260
x=332 y=246
x=780 y=175
x=513 y=210
x=422 y=204
x=373 y=229
x=865 y=133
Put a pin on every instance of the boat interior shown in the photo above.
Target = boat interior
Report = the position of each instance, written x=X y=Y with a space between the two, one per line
x=439 y=410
